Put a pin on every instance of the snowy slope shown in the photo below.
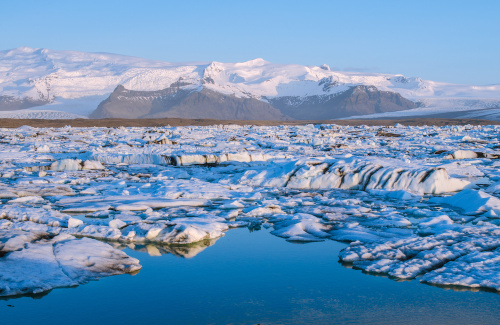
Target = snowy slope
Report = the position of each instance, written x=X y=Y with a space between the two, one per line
x=64 y=76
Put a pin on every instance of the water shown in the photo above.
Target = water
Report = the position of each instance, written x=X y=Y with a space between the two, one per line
x=249 y=278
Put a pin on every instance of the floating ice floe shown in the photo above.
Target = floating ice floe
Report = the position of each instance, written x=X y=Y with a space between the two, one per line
x=468 y=154
x=438 y=256
x=43 y=263
x=476 y=270
x=472 y=202
x=301 y=227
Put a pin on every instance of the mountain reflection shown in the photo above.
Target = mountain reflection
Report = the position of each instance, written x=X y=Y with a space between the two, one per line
x=184 y=251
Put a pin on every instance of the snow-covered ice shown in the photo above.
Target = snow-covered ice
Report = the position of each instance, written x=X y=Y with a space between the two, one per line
x=422 y=205
x=44 y=262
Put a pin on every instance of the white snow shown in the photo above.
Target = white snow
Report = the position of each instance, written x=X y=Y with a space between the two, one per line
x=76 y=82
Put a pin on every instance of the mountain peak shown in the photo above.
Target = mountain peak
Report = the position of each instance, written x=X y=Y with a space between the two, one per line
x=20 y=51
x=25 y=49
x=252 y=63
x=325 y=67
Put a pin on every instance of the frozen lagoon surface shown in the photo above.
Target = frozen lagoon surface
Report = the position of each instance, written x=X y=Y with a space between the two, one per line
x=411 y=203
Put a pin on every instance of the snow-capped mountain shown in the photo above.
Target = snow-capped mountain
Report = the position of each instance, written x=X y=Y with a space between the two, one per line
x=79 y=82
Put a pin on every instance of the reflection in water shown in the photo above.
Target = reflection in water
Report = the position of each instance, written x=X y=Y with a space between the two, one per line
x=184 y=251
x=458 y=288
x=39 y=295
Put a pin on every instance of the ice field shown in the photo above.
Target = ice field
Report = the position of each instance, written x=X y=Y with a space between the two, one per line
x=414 y=202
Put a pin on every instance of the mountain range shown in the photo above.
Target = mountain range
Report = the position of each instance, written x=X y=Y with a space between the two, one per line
x=102 y=85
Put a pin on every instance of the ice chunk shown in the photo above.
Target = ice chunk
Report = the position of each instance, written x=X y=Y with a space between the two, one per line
x=462 y=154
x=60 y=262
x=362 y=176
x=180 y=231
x=471 y=201
x=73 y=222
x=92 y=165
x=37 y=215
x=397 y=195
x=408 y=258
x=75 y=164
x=468 y=154
x=28 y=199
x=478 y=269
x=436 y=221
x=300 y=227
x=43 y=148
x=66 y=164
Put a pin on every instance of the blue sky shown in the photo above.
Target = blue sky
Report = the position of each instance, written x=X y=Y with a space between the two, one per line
x=452 y=41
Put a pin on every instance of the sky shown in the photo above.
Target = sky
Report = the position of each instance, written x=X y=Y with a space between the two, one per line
x=450 y=41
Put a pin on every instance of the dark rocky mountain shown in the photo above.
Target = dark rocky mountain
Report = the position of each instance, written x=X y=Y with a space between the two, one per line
x=9 y=103
x=183 y=103
x=358 y=100
x=177 y=102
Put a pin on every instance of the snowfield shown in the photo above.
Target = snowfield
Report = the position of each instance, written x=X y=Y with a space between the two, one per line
x=76 y=82
x=414 y=202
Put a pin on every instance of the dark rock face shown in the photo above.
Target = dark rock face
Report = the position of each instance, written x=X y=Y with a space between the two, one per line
x=177 y=102
x=207 y=104
x=124 y=103
x=358 y=100
x=9 y=103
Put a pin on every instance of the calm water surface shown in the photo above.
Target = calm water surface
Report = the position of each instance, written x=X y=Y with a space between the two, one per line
x=249 y=278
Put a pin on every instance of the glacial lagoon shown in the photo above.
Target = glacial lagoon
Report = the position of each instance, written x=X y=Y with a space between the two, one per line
x=175 y=206
x=250 y=278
